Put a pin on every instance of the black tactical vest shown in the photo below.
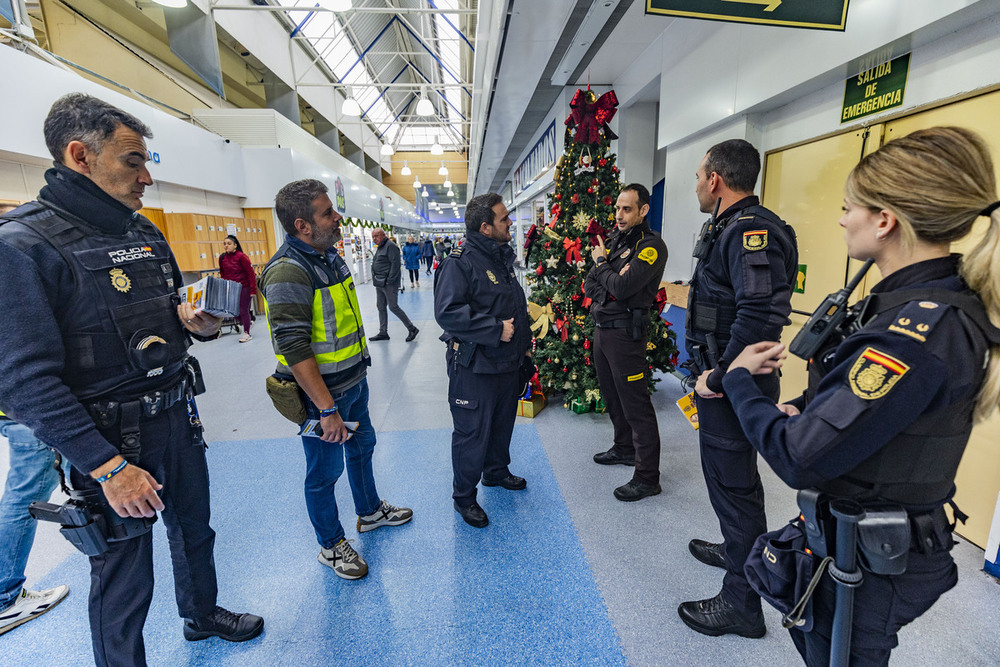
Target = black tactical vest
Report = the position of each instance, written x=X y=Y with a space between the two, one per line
x=120 y=329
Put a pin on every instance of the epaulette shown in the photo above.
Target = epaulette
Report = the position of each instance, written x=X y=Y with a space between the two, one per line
x=457 y=252
x=23 y=211
x=917 y=319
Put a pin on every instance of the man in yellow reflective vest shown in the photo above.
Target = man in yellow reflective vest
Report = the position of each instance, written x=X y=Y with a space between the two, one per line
x=316 y=331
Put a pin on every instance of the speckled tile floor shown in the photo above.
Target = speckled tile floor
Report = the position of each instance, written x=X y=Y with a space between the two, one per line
x=563 y=575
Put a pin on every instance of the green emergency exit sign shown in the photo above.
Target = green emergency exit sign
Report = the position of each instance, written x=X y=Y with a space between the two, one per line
x=815 y=14
x=875 y=89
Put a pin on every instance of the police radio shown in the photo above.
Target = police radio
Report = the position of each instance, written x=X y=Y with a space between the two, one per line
x=827 y=318
x=707 y=236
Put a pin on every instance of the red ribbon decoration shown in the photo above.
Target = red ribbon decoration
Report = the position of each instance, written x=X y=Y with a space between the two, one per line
x=591 y=114
x=661 y=300
x=530 y=237
x=556 y=212
x=561 y=326
x=596 y=231
x=573 y=250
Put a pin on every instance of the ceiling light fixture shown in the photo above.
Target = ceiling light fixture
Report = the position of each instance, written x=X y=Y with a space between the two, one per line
x=447 y=183
x=386 y=149
x=350 y=107
x=436 y=148
x=416 y=183
x=405 y=171
x=443 y=171
x=450 y=193
x=424 y=106
x=424 y=193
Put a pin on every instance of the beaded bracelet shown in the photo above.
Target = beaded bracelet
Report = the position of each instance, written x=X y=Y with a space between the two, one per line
x=328 y=412
x=103 y=478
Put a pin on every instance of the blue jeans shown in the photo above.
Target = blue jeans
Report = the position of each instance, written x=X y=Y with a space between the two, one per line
x=31 y=477
x=325 y=463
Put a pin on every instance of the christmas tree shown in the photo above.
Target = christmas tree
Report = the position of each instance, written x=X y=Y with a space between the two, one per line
x=582 y=210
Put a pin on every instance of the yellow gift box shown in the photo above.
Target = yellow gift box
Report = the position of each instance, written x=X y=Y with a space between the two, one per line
x=529 y=407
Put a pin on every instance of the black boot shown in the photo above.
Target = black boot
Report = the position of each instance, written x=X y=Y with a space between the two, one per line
x=224 y=624
x=715 y=617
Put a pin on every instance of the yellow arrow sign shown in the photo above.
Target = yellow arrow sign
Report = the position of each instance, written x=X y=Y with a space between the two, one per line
x=771 y=4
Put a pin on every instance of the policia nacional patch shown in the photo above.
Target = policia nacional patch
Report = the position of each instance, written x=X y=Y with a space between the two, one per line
x=648 y=255
x=755 y=240
x=874 y=374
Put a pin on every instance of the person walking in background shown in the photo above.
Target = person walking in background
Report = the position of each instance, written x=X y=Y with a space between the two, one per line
x=427 y=253
x=30 y=478
x=438 y=250
x=386 y=279
x=235 y=265
x=319 y=341
x=411 y=257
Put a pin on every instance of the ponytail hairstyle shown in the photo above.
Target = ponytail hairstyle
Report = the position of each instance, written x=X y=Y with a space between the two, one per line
x=938 y=182
x=235 y=240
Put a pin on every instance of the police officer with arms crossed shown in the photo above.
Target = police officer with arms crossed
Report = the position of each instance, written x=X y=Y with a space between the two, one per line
x=740 y=294
x=93 y=360
x=481 y=307
x=902 y=385
x=623 y=285
x=319 y=340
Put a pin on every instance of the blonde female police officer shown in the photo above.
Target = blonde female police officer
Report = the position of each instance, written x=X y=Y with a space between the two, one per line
x=889 y=421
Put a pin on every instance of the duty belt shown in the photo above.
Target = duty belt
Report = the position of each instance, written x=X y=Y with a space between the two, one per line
x=621 y=323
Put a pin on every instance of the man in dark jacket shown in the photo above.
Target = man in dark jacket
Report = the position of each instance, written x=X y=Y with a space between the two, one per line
x=623 y=285
x=386 y=278
x=427 y=252
x=93 y=359
x=481 y=307
x=740 y=294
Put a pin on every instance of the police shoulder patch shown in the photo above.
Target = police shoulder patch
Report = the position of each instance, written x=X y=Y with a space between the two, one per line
x=755 y=239
x=648 y=255
x=917 y=319
x=874 y=374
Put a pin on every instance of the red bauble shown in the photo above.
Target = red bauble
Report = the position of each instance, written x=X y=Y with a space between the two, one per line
x=548 y=361
x=614 y=169
x=558 y=197
x=565 y=370
x=540 y=270
x=590 y=190
x=607 y=201
x=602 y=162
x=575 y=198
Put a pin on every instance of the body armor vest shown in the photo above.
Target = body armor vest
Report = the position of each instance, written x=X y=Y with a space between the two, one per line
x=918 y=466
x=121 y=326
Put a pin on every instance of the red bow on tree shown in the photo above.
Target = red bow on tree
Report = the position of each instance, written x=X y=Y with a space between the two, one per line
x=591 y=114
x=661 y=300
x=573 y=250
x=596 y=231
x=530 y=237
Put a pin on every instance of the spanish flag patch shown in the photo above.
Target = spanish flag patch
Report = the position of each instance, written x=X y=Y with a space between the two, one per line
x=755 y=240
x=874 y=374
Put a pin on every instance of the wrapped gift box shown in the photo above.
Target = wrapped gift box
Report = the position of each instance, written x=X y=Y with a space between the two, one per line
x=529 y=407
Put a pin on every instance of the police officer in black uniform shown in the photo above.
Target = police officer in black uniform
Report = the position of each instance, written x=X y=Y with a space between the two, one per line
x=901 y=385
x=623 y=285
x=740 y=294
x=480 y=304
x=93 y=359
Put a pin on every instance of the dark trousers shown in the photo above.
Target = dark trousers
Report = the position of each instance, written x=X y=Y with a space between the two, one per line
x=729 y=463
x=882 y=605
x=621 y=368
x=483 y=408
x=121 y=579
x=429 y=261
x=245 y=298
x=387 y=295
x=414 y=275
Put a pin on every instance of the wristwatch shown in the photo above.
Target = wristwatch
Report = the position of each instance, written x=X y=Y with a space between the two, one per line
x=328 y=412
x=601 y=260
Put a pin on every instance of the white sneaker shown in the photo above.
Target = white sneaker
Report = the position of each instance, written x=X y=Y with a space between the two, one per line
x=384 y=515
x=29 y=605
x=343 y=560
x=245 y=337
